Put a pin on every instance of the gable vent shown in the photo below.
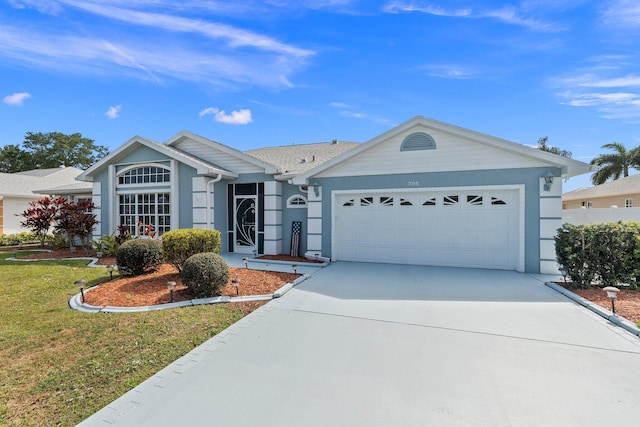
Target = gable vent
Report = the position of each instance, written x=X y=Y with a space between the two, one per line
x=418 y=141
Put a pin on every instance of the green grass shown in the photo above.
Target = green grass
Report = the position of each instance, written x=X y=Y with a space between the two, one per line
x=58 y=366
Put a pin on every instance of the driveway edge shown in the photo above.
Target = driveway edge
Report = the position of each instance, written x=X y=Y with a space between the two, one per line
x=613 y=318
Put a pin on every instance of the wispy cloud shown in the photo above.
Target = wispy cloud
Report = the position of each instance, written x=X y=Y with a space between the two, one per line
x=448 y=71
x=16 y=98
x=622 y=14
x=601 y=86
x=210 y=52
x=236 y=117
x=113 y=112
x=347 y=110
x=507 y=14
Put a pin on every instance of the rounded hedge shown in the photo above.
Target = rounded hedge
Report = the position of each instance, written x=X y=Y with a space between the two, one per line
x=204 y=274
x=178 y=245
x=138 y=256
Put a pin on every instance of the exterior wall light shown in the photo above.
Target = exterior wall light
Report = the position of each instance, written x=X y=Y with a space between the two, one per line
x=612 y=294
x=548 y=180
x=236 y=282
x=80 y=284
x=316 y=188
x=172 y=287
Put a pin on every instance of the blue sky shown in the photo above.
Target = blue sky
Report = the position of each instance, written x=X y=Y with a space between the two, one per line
x=275 y=72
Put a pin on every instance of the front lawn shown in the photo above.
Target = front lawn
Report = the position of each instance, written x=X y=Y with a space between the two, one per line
x=58 y=365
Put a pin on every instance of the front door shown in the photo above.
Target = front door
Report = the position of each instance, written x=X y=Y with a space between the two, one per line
x=246 y=226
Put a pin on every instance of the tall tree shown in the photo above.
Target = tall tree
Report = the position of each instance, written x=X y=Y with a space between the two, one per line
x=614 y=165
x=542 y=145
x=13 y=159
x=51 y=150
x=54 y=149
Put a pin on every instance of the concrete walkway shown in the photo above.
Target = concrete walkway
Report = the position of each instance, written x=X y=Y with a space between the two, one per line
x=387 y=345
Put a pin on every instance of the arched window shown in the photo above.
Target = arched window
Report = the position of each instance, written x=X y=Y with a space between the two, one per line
x=145 y=175
x=297 y=201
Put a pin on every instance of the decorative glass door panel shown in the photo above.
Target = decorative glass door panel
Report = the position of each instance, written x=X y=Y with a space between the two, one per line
x=245 y=224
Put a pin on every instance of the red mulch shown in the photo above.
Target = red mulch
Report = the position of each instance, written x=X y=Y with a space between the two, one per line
x=627 y=301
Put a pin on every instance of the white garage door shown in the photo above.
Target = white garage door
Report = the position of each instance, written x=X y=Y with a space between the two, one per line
x=463 y=228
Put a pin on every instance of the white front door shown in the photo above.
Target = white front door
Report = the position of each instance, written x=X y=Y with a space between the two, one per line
x=454 y=227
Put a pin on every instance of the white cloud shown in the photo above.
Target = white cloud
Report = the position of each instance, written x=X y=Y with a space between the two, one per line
x=113 y=112
x=622 y=14
x=507 y=14
x=236 y=117
x=347 y=110
x=200 y=50
x=448 y=71
x=16 y=98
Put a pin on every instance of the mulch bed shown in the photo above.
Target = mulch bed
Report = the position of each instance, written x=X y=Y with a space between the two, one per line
x=627 y=301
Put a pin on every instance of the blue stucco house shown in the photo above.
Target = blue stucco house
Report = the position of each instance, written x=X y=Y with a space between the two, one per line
x=424 y=192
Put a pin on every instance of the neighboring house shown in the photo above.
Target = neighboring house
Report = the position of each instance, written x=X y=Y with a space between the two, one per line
x=424 y=192
x=20 y=188
x=618 y=200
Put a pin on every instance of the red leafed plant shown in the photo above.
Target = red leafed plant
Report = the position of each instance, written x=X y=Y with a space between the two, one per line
x=40 y=215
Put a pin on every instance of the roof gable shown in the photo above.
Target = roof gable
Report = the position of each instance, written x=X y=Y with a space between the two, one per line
x=454 y=148
x=219 y=154
x=203 y=167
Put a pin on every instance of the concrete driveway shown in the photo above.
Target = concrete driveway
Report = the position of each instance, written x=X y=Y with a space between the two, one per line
x=388 y=345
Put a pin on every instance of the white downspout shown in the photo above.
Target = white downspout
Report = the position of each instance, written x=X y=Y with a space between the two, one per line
x=208 y=204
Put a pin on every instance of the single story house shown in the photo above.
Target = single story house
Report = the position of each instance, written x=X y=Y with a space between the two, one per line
x=621 y=193
x=617 y=200
x=20 y=188
x=423 y=192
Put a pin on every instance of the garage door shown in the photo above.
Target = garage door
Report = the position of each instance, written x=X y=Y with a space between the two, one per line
x=464 y=228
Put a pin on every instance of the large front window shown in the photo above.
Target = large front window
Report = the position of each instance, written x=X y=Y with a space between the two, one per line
x=145 y=213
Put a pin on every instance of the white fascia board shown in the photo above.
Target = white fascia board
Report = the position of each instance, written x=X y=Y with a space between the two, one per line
x=569 y=167
x=269 y=169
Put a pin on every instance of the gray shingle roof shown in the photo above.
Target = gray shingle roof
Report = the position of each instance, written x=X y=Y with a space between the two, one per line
x=23 y=184
x=628 y=185
x=295 y=159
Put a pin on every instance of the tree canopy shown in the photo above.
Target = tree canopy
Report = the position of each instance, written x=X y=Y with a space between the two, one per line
x=50 y=150
x=542 y=145
x=614 y=165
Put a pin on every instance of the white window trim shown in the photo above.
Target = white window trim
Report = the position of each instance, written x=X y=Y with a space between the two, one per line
x=628 y=202
x=297 y=206
x=129 y=168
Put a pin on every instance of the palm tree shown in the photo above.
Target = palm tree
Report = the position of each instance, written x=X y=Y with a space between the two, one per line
x=542 y=145
x=614 y=165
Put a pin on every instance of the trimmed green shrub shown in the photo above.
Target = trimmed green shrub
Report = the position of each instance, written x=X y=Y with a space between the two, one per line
x=204 y=274
x=138 y=256
x=608 y=253
x=178 y=245
x=57 y=240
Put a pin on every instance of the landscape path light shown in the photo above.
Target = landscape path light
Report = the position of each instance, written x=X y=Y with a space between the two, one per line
x=612 y=294
x=80 y=283
x=236 y=282
x=295 y=268
x=110 y=269
x=246 y=262
x=565 y=272
x=172 y=287
x=15 y=253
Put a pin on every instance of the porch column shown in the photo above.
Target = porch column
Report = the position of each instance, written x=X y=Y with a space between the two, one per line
x=272 y=217
x=314 y=222
x=202 y=203
x=550 y=221
x=96 y=198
